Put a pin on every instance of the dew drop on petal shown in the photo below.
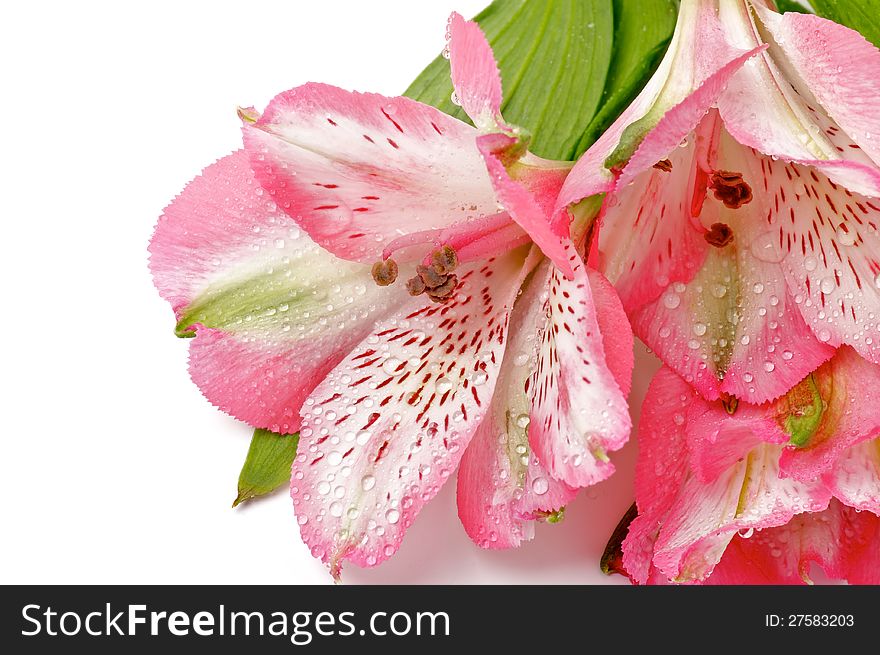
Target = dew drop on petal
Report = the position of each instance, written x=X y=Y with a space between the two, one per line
x=844 y=236
x=540 y=486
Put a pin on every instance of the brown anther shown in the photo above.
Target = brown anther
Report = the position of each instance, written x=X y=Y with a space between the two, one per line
x=664 y=165
x=430 y=277
x=385 y=273
x=444 y=292
x=415 y=286
x=731 y=189
x=730 y=403
x=719 y=235
x=444 y=260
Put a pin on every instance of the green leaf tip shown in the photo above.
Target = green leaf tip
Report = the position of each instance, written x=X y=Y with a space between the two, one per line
x=267 y=465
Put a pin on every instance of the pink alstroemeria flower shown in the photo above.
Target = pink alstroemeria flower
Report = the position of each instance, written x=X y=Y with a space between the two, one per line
x=500 y=351
x=741 y=216
x=752 y=494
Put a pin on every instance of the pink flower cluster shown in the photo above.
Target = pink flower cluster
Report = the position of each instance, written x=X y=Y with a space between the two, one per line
x=416 y=295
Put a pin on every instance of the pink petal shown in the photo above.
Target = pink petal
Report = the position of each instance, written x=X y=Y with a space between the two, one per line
x=848 y=386
x=579 y=413
x=698 y=64
x=661 y=467
x=617 y=336
x=855 y=478
x=359 y=170
x=718 y=440
x=524 y=208
x=687 y=523
x=646 y=237
x=810 y=98
x=475 y=74
x=727 y=320
x=681 y=120
x=243 y=277
x=382 y=433
x=501 y=485
x=827 y=241
x=844 y=543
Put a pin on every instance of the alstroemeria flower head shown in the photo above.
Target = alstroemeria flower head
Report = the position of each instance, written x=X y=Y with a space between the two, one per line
x=752 y=494
x=393 y=284
x=740 y=225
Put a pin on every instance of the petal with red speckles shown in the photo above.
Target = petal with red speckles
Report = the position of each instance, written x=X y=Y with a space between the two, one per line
x=501 y=485
x=387 y=427
x=358 y=170
x=579 y=413
x=826 y=240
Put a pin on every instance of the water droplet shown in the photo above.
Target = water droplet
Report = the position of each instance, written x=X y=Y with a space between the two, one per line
x=392 y=366
x=844 y=236
x=758 y=287
x=479 y=378
x=323 y=487
x=827 y=285
x=443 y=385
x=540 y=486
x=336 y=508
x=766 y=248
x=787 y=355
x=671 y=300
x=368 y=482
x=769 y=366
x=392 y=516
x=523 y=420
x=699 y=329
x=719 y=290
x=824 y=335
x=745 y=534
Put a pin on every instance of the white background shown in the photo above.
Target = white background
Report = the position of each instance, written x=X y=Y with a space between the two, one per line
x=114 y=468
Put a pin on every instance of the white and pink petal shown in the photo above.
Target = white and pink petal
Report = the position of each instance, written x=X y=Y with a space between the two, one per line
x=387 y=427
x=358 y=170
x=502 y=487
x=271 y=312
x=579 y=412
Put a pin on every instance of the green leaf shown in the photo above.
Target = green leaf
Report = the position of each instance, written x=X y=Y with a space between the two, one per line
x=267 y=465
x=860 y=15
x=554 y=58
x=791 y=5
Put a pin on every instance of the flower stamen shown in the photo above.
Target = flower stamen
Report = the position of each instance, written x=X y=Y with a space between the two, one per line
x=730 y=188
x=664 y=165
x=385 y=272
x=719 y=235
x=437 y=281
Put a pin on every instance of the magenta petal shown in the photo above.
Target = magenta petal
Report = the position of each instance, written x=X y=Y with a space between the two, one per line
x=851 y=414
x=843 y=542
x=522 y=206
x=475 y=74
